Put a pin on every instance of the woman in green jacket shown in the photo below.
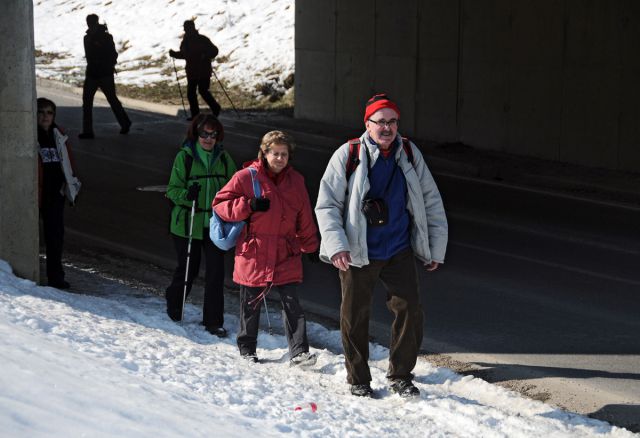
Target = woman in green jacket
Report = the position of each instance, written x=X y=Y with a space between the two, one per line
x=201 y=168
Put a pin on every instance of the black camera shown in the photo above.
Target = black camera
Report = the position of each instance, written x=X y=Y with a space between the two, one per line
x=375 y=211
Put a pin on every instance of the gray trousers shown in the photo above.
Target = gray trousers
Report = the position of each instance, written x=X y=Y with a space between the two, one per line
x=295 y=326
x=399 y=276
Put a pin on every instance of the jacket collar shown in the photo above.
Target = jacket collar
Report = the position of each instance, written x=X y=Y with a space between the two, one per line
x=191 y=148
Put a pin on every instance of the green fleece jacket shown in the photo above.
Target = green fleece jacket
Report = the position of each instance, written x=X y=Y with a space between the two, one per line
x=211 y=170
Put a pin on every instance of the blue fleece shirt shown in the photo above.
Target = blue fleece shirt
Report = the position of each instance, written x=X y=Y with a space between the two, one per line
x=388 y=240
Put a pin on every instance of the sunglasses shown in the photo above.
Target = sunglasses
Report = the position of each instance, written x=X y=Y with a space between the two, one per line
x=205 y=134
x=49 y=112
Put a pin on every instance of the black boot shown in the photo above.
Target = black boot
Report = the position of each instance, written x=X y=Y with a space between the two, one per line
x=404 y=388
x=362 y=390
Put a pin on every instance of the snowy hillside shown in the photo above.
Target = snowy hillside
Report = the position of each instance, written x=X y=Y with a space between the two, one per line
x=111 y=363
x=255 y=38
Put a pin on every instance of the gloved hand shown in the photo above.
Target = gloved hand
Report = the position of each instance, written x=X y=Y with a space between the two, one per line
x=172 y=53
x=313 y=257
x=259 y=204
x=193 y=191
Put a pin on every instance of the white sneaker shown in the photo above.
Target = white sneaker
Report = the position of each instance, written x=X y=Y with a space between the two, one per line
x=251 y=357
x=304 y=359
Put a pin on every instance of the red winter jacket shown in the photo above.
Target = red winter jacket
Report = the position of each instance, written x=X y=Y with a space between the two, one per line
x=270 y=246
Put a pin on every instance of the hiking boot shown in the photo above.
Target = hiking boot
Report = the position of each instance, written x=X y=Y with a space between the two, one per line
x=86 y=135
x=250 y=357
x=174 y=314
x=220 y=332
x=303 y=360
x=362 y=390
x=404 y=388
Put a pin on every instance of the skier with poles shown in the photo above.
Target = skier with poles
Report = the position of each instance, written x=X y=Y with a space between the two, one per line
x=280 y=227
x=198 y=51
x=200 y=169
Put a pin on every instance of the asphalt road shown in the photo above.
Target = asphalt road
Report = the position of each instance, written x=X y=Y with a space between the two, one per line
x=537 y=287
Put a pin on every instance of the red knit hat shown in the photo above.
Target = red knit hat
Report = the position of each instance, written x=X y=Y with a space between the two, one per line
x=378 y=102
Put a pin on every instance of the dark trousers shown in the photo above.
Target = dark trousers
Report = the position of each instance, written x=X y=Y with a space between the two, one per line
x=213 y=308
x=202 y=86
x=295 y=326
x=399 y=276
x=108 y=87
x=52 y=211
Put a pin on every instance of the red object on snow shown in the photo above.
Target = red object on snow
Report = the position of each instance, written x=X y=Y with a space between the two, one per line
x=311 y=406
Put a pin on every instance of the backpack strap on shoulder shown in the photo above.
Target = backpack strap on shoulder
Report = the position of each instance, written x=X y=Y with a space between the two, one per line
x=223 y=157
x=354 y=157
x=257 y=191
x=407 y=149
x=188 y=164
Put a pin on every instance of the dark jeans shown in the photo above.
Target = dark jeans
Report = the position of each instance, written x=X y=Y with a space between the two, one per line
x=108 y=87
x=213 y=308
x=295 y=326
x=202 y=86
x=52 y=211
x=399 y=276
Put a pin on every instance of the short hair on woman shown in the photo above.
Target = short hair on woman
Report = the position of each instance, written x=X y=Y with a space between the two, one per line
x=276 y=137
x=202 y=121
x=43 y=102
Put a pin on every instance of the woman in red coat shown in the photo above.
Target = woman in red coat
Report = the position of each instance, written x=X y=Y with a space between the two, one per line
x=280 y=227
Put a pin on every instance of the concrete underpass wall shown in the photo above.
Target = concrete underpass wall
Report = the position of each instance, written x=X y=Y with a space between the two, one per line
x=18 y=163
x=554 y=79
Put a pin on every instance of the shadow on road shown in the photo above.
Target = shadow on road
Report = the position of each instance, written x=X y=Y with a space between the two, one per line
x=614 y=413
x=499 y=372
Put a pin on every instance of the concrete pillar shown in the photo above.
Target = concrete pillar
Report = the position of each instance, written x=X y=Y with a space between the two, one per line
x=315 y=43
x=436 y=102
x=396 y=55
x=355 y=60
x=19 y=240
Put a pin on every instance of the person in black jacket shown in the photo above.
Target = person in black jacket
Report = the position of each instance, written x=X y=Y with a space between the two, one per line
x=198 y=51
x=57 y=182
x=101 y=55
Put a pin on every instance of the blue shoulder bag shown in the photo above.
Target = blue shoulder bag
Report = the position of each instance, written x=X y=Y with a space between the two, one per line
x=223 y=234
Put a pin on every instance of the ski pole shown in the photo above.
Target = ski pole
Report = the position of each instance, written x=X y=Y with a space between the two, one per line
x=225 y=93
x=266 y=310
x=186 y=272
x=179 y=87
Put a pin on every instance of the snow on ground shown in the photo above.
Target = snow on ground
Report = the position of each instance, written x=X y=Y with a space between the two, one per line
x=111 y=363
x=255 y=37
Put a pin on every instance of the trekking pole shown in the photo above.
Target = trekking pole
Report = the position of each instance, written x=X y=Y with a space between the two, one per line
x=179 y=87
x=186 y=272
x=266 y=310
x=225 y=93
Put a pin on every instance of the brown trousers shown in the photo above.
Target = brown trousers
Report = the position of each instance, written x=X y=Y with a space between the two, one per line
x=399 y=276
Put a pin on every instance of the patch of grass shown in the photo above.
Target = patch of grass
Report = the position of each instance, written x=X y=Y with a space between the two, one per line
x=162 y=92
x=222 y=59
x=46 y=58
x=123 y=46
x=141 y=63
x=167 y=92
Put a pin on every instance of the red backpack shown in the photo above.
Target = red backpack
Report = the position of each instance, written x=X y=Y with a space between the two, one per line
x=354 y=153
